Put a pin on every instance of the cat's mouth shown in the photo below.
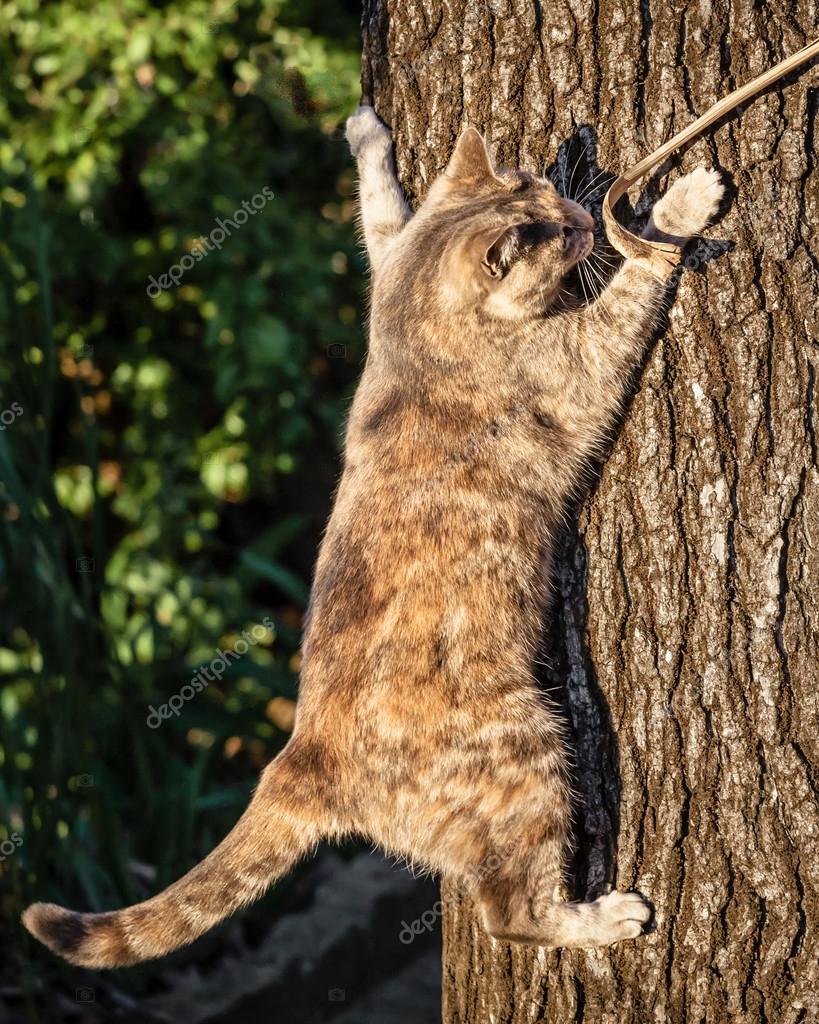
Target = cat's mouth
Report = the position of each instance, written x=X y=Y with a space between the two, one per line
x=577 y=244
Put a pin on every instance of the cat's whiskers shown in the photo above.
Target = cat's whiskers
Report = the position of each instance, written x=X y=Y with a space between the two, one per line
x=595 y=271
x=606 y=273
x=606 y=314
x=603 y=276
x=588 y=190
x=603 y=261
x=582 y=283
x=605 y=258
x=603 y=243
x=571 y=179
x=603 y=251
x=595 y=293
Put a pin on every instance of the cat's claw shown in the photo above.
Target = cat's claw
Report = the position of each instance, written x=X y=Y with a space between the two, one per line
x=364 y=128
x=689 y=204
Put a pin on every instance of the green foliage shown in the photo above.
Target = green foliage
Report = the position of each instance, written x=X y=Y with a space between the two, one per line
x=165 y=483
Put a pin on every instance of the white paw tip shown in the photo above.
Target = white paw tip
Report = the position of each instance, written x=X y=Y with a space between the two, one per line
x=709 y=182
x=363 y=113
x=363 y=126
x=690 y=203
x=625 y=906
x=704 y=187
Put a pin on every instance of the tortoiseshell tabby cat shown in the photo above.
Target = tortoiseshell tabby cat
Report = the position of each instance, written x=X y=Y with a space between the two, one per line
x=419 y=723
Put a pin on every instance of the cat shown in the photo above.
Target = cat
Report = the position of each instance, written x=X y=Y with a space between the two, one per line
x=419 y=724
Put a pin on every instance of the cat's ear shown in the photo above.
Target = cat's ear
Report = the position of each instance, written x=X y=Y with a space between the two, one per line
x=497 y=248
x=470 y=163
x=488 y=253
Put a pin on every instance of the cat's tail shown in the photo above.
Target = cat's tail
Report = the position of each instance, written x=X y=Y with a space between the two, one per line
x=285 y=819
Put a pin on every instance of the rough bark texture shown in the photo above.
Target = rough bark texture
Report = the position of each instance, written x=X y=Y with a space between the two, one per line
x=685 y=630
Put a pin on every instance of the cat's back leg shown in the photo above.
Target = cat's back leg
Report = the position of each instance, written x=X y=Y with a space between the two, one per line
x=493 y=813
x=519 y=902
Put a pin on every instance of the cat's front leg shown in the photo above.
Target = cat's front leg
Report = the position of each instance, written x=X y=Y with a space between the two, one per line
x=384 y=210
x=614 y=329
x=584 y=381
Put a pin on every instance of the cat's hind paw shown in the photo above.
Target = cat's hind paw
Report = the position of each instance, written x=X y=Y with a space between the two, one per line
x=689 y=204
x=617 y=916
x=364 y=129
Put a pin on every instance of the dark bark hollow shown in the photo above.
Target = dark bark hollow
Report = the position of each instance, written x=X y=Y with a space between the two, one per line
x=687 y=611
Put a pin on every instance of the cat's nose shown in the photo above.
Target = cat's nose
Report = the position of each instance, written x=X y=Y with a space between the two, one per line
x=580 y=218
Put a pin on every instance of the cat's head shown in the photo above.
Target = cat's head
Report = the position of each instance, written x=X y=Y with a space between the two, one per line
x=503 y=241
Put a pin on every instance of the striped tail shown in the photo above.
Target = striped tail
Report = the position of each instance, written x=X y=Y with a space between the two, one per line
x=282 y=822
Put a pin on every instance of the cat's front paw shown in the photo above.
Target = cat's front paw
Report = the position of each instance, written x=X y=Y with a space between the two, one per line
x=689 y=204
x=364 y=128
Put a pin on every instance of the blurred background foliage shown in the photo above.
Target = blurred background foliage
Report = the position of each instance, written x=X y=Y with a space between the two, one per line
x=166 y=462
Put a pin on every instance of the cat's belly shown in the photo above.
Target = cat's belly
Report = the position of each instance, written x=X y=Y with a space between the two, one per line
x=420 y=605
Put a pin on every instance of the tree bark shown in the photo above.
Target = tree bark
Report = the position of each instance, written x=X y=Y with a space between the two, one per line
x=684 y=635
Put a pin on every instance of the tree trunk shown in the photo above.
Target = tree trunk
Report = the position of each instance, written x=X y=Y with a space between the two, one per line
x=685 y=625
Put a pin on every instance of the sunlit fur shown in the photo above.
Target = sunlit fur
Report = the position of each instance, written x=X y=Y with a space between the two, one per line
x=419 y=722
